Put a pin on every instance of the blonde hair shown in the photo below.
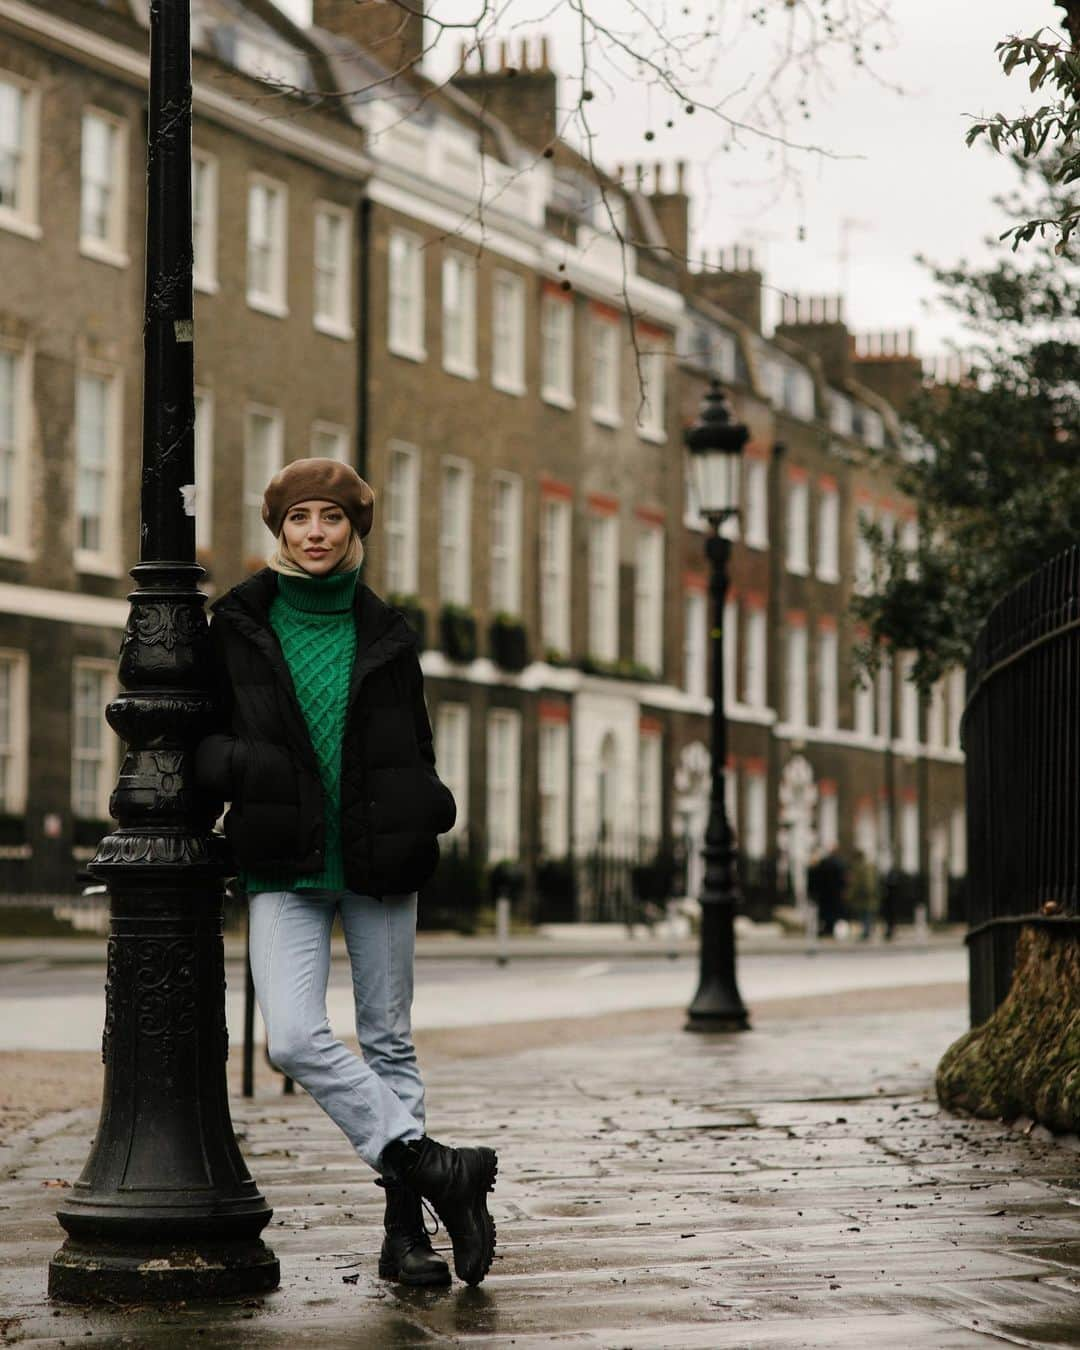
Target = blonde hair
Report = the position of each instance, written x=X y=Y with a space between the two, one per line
x=282 y=560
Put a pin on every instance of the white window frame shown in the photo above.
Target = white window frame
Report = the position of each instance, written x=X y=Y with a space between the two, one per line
x=15 y=542
x=505 y=544
x=401 y=520
x=828 y=819
x=452 y=754
x=695 y=650
x=22 y=218
x=204 y=467
x=556 y=520
x=111 y=249
x=863 y=563
x=651 y=416
x=650 y=787
x=796 y=655
x=331 y=440
x=459 y=322
x=603 y=616
x=204 y=221
x=405 y=296
x=909 y=701
x=336 y=321
x=455 y=532
x=553 y=784
x=756 y=493
x=105 y=560
x=730 y=654
x=15 y=738
x=503 y=817
x=957 y=695
x=755 y=838
x=863 y=707
x=604 y=385
x=828 y=659
x=106 y=755
x=731 y=795
x=958 y=849
x=884 y=694
x=649 y=598
x=254 y=540
x=273 y=300
x=557 y=350
x=828 y=535
x=508 y=332
x=909 y=837
x=797 y=526
x=755 y=657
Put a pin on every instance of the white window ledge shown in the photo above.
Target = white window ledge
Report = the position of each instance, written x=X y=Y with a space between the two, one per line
x=103 y=253
x=206 y=285
x=798 y=569
x=841 y=736
x=266 y=304
x=409 y=353
x=94 y=564
x=462 y=372
x=505 y=387
x=605 y=418
x=16 y=550
x=831 y=577
x=696 y=523
x=334 y=328
x=755 y=541
x=19 y=225
x=651 y=435
x=558 y=399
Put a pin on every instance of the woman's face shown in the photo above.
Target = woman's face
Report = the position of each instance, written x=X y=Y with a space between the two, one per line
x=318 y=535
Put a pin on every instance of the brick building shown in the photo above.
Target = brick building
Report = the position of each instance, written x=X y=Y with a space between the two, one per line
x=417 y=285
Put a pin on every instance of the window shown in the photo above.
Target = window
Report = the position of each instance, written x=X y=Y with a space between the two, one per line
x=93 y=746
x=103 y=205
x=909 y=836
x=18 y=156
x=406 y=302
x=503 y=783
x=827 y=656
x=694 y=657
x=756 y=479
x=957 y=698
x=935 y=717
x=958 y=852
x=97 y=458
x=864 y=556
x=652 y=411
x=731 y=795
x=603 y=588
x=506 y=544
x=266 y=247
x=755 y=657
x=909 y=701
x=650 y=791
x=333 y=272
x=508 y=333
x=864 y=706
x=557 y=350
x=329 y=441
x=755 y=829
x=401 y=521
x=459 y=315
x=455 y=533
x=798 y=541
x=452 y=752
x=204 y=205
x=204 y=467
x=14 y=731
x=828 y=815
x=796 y=674
x=554 y=784
x=909 y=542
x=730 y=652
x=649 y=598
x=555 y=575
x=14 y=448
x=828 y=532
x=263 y=454
x=605 y=370
x=884 y=700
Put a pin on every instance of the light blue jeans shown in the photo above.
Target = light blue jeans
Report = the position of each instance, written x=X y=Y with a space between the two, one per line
x=381 y=1096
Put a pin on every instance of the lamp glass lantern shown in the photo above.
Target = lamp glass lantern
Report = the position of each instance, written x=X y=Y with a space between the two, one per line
x=716 y=443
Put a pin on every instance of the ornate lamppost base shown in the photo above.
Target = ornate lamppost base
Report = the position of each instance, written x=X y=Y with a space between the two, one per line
x=104 y=1273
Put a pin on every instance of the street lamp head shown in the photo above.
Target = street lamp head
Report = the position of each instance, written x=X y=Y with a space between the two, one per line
x=715 y=443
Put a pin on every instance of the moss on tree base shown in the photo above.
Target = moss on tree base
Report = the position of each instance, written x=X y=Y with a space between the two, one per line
x=1025 y=1059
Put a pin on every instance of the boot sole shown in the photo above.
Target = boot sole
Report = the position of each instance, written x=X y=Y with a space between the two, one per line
x=394 y=1273
x=473 y=1274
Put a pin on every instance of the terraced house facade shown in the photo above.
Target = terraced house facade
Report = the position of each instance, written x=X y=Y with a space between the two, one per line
x=425 y=281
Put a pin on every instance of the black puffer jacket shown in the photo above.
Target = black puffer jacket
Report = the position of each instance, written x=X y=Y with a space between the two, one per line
x=262 y=761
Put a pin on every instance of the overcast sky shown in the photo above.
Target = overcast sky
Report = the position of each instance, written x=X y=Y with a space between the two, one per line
x=897 y=181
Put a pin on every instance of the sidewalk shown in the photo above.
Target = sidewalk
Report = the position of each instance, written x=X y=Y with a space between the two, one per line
x=794 y=1186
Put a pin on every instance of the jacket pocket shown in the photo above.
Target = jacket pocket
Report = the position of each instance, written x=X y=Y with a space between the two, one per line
x=410 y=799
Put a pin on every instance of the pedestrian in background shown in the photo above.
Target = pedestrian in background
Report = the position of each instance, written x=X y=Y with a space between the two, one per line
x=863 y=895
x=324 y=752
x=832 y=887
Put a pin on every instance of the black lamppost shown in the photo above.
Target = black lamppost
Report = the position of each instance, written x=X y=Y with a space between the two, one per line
x=715 y=444
x=165 y=1207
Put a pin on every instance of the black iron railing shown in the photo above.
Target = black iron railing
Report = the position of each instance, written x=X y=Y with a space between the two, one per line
x=1020 y=735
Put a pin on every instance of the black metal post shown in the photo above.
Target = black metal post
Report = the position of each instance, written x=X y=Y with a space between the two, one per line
x=165 y=1207
x=717 y=1005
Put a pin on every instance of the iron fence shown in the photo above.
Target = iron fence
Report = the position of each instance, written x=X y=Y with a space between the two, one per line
x=1020 y=736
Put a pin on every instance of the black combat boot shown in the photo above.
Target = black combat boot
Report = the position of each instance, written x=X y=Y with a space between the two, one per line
x=407 y=1255
x=456 y=1181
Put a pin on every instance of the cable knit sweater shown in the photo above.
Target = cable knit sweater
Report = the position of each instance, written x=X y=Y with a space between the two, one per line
x=313 y=619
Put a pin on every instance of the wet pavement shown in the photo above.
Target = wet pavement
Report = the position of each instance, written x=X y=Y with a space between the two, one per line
x=793 y=1186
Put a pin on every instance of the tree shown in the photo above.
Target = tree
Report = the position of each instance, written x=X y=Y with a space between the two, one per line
x=991 y=461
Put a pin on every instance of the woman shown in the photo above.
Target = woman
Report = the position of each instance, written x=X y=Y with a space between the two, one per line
x=324 y=754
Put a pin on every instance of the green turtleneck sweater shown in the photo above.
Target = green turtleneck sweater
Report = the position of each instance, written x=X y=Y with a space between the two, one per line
x=313 y=619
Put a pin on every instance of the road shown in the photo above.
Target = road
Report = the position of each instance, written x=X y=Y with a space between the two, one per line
x=52 y=1006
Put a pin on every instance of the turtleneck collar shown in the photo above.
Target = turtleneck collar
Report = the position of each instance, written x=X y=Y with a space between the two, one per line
x=333 y=594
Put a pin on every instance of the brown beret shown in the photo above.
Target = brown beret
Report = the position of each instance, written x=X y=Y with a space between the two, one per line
x=318 y=480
